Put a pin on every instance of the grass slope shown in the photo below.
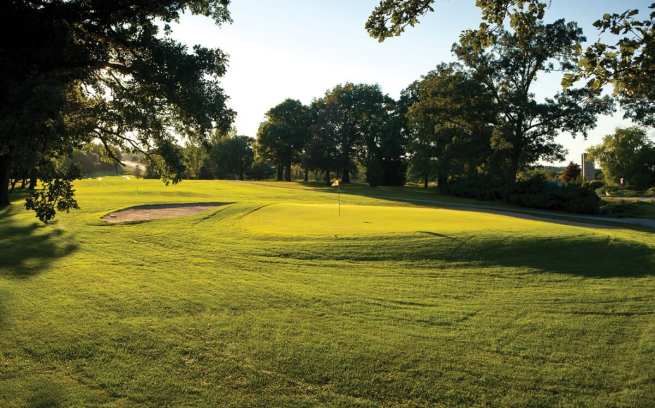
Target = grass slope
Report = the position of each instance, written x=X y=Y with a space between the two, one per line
x=272 y=300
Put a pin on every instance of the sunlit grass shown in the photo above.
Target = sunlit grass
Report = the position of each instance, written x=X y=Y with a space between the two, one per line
x=275 y=300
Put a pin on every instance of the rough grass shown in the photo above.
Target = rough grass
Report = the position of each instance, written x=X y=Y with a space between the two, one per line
x=272 y=300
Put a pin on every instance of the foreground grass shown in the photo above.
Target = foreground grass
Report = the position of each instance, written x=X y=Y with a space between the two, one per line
x=273 y=300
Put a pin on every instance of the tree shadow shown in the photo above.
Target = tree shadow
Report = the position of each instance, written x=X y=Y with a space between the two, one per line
x=432 y=199
x=28 y=249
x=18 y=194
x=3 y=307
x=583 y=255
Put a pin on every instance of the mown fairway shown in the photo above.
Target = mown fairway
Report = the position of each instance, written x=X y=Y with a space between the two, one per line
x=272 y=300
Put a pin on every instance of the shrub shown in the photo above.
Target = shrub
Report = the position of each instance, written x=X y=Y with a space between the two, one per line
x=478 y=187
x=536 y=192
x=260 y=170
x=595 y=184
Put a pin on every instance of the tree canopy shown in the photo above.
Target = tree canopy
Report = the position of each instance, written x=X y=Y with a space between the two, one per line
x=448 y=123
x=627 y=63
x=284 y=134
x=391 y=17
x=627 y=154
x=512 y=46
x=76 y=71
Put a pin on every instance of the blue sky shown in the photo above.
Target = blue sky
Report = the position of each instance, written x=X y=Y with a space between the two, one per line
x=300 y=48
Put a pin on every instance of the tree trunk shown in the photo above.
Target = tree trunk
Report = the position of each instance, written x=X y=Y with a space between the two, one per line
x=279 y=172
x=288 y=172
x=442 y=183
x=306 y=175
x=511 y=177
x=23 y=183
x=346 y=176
x=33 y=180
x=327 y=177
x=425 y=181
x=4 y=181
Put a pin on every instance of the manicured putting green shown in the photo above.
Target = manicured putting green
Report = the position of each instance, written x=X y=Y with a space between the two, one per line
x=324 y=219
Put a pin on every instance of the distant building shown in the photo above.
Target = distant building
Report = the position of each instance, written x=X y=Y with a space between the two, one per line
x=588 y=168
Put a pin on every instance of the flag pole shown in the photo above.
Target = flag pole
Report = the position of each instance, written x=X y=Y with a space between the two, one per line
x=337 y=183
x=339 y=199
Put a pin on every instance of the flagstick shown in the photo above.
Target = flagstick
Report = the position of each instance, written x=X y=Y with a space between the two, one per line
x=339 y=200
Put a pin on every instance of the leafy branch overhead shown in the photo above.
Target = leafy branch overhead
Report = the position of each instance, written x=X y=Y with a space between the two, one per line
x=392 y=17
x=77 y=71
x=625 y=60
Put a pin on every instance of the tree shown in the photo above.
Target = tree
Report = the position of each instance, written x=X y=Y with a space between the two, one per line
x=391 y=17
x=284 y=134
x=384 y=147
x=195 y=158
x=508 y=61
x=419 y=147
x=354 y=118
x=320 y=153
x=232 y=157
x=509 y=50
x=628 y=64
x=72 y=72
x=628 y=154
x=571 y=173
x=449 y=123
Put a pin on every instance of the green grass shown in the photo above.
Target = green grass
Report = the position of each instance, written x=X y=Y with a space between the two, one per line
x=273 y=300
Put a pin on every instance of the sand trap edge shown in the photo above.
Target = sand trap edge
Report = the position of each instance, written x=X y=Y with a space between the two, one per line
x=153 y=212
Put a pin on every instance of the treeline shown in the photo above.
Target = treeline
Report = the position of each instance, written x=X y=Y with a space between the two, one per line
x=224 y=156
x=352 y=127
x=475 y=126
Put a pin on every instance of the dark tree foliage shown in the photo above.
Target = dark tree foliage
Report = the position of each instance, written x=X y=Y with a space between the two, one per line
x=391 y=17
x=232 y=157
x=73 y=71
x=320 y=153
x=628 y=63
x=571 y=173
x=449 y=124
x=505 y=55
x=361 y=124
x=508 y=61
x=627 y=154
x=282 y=137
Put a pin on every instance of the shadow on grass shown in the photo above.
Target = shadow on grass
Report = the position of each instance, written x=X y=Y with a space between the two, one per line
x=577 y=255
x=3 y=308
x=18 y=194
x=585 y=256
x=28 y=249
x=45 y=394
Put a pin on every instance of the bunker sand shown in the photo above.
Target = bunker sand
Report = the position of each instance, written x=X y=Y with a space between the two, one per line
x=158 y=212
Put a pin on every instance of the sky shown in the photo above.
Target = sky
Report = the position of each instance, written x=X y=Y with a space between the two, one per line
x=299 y=49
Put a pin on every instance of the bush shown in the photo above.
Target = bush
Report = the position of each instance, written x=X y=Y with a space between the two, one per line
x=536 y=192
x=260 y=170
x=479 y=187
x=595 y=184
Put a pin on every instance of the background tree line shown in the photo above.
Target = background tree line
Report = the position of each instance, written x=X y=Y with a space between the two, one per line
x=352 y=126
x=74 y=73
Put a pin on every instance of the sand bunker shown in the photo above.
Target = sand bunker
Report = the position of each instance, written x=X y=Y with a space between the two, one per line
x=157 y=212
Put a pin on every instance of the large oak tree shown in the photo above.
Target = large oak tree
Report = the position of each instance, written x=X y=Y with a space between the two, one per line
x=74 y=71
x=283 y=135
x=507 y=53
